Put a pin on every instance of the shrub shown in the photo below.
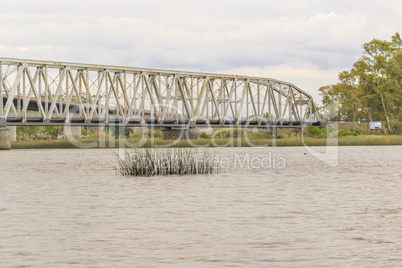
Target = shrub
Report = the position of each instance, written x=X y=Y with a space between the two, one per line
x=313 y=131
x=28 y=132
x=119 y=132
x=319 y=133
x=259 y=135
x=354 y=132
x=220 y=134
x=152 y=133
x=343 y=133
x=52 y=131
x=205 y=135
x=84 y=132
x=238 y=132
x=128 y=131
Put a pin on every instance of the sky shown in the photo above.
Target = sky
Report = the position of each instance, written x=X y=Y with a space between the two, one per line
x=306 y=43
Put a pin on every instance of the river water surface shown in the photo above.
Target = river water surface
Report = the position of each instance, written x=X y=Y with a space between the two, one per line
x=68 y=208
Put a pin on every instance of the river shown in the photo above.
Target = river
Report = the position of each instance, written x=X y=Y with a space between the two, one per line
x=69 y=208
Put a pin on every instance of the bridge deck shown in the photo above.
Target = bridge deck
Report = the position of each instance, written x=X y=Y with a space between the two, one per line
x=148 y=121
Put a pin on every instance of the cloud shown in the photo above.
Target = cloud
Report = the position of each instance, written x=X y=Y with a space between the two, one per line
x=298 y=41
x=307 y=77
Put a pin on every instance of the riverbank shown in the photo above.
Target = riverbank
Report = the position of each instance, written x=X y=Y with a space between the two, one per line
x=362 y=140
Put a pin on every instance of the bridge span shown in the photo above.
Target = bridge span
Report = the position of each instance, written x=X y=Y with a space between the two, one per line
x=36 y=92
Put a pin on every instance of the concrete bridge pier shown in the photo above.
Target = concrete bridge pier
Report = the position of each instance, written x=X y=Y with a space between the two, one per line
x=13 y=133
x=5 y=138
x=180 y=133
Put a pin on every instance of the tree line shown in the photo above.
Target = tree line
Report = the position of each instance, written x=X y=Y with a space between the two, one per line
x=372 y=89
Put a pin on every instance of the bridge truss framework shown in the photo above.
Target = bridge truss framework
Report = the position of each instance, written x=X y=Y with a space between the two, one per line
x=93 y=95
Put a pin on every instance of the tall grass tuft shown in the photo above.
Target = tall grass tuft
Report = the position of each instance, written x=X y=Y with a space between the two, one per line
x=147 y=162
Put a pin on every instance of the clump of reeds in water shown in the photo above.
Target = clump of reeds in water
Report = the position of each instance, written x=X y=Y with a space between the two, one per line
x=162 y=162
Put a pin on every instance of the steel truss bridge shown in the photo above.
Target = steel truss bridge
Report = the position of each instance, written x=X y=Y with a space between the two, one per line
x=35 y=92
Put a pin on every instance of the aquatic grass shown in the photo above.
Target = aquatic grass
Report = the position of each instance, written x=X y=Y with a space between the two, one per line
x=62 y=144
x=45 y=144
x=360 y=140
x=370 y=140
x=147 y=162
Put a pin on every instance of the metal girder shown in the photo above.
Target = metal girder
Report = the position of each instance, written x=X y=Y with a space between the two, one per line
x=13 y=91
x=96 y=92
x=57 y=93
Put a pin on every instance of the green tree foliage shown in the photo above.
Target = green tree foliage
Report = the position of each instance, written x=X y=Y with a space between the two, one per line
x=316 y=132
x=84 y=132
x=27 y=132
x=119 y=132
x=372 y=89
x=52 y=131
x=38 y=132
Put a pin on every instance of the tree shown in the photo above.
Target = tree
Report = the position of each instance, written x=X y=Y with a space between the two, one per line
x=350 y=91
x=373 y=86
x=374 y=69
x=330 y=100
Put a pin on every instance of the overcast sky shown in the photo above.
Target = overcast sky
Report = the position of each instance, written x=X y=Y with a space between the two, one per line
x=304 y=42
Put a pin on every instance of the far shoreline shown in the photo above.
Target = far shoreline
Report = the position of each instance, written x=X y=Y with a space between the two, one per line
x=361 y=140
